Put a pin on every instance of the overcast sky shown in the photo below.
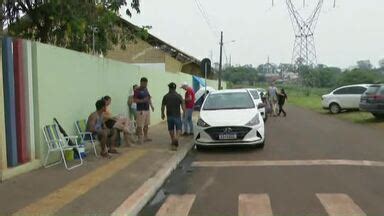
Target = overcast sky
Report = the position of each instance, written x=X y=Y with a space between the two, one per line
x=352 y=31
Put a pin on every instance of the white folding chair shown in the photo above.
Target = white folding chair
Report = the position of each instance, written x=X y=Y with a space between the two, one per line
x=85 y=136
x=58 y=143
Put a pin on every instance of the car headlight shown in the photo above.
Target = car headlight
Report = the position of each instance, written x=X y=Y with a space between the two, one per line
x=254 y=121
x=202 y=123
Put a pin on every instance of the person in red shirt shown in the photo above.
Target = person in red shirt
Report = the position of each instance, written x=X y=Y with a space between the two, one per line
x=189 y=105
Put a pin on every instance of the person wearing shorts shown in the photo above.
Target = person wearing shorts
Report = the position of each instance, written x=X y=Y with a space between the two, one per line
x=143 y=101
x=132 y=106
x=172 y=102
x=96 y=126
x=189 y=105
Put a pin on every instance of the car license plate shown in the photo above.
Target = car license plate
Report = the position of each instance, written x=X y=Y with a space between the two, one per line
x=228 y=136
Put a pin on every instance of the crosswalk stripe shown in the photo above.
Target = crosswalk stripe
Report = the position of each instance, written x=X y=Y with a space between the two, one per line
x=254 y=205
x=340 y=205
x=177 y=205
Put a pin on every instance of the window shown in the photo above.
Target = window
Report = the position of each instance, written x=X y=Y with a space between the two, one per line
x=373 y=90
x=341 y=91
x=255 y=94
x=232 y=100
x=382 y=90
x=358 y=90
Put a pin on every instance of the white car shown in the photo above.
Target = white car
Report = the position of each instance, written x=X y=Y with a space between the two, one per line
x=259 y=102
x=344 y=98
x=229 y=117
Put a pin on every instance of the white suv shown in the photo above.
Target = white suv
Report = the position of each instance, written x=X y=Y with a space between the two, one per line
x=344 y=98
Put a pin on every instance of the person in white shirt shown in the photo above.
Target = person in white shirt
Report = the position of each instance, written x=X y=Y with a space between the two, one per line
x=272 y=98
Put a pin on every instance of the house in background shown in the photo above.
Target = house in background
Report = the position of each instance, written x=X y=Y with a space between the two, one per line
x=153 y=50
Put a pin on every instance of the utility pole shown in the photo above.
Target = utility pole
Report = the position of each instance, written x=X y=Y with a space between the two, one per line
x=94 y=30
x=221 y=59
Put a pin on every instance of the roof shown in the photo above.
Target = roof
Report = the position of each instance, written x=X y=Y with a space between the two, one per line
x=164 y=46
x=231 y=91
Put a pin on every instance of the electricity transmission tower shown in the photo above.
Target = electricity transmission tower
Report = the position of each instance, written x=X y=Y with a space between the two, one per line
x=304 y=50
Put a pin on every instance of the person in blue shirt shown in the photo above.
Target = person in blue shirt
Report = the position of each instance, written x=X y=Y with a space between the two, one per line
x=143 y=101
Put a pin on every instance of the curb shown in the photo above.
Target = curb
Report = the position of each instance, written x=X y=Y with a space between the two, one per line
x=137 y=201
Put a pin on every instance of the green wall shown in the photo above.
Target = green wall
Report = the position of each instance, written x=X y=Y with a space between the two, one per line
x=68 y=83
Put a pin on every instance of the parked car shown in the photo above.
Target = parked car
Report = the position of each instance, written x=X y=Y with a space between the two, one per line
x=229 y=117
x=373 y=101
x=257 y=97
x=344 y=98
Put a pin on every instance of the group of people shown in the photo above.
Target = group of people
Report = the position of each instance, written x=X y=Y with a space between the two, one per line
x=276 y=100
x=106 y=127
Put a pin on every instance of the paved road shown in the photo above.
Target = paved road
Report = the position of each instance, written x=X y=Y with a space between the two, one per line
x=313 y=164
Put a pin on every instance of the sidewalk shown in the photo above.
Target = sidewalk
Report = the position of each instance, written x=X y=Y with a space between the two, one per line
x=100 y=186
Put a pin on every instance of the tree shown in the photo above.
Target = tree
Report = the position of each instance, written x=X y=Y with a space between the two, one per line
x=358 y=76
x=241 y=74
x=381 y=63
x=71 y=23
x=364 y=64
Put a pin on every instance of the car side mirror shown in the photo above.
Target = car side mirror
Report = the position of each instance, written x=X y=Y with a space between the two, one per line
x=261 y=105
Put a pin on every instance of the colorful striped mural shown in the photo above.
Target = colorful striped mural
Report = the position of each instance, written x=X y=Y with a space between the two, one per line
x=17 y=85
x=9 y=103
x=20 y=101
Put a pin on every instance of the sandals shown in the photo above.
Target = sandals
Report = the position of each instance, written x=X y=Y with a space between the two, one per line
x=105 y=155
x=113 y=151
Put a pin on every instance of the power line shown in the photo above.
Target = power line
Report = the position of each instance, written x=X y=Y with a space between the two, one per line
x=205 y=16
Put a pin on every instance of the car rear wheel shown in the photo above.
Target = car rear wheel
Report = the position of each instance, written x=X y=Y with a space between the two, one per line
x=334 y=108
x=378 y=115
x=199 y=147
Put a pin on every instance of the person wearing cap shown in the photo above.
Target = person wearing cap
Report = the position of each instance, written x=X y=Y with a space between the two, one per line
x=172 y=102
x=189 y=104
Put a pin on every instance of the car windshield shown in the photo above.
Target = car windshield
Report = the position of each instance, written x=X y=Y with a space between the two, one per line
x=231 y=100
x=372 y=90
x=255 y=94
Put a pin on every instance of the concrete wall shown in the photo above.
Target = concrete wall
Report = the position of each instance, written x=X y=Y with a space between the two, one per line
x=143 y=52
x=139 y=52
x=68 y=83
x=3 y=156
x=171 y=64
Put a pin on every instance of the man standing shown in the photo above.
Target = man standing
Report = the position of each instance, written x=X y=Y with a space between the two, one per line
x=143 y=101
x=272 y=98
x=189 y=105
x=172 y=102
x=95 y=125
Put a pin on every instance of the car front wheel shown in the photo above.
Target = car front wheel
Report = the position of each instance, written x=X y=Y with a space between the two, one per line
x=378 y=115
x=334 y=108
x=260 y=146
x=266 y=117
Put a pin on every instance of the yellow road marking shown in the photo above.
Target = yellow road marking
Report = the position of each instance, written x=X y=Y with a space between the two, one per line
x=288 y=163
x=51 y=203
x=255 y=205
x=177 y=205
x=340 y=205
